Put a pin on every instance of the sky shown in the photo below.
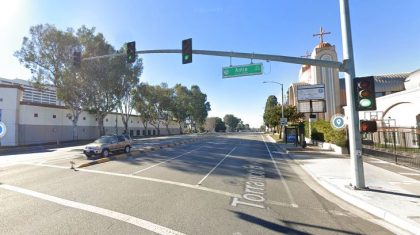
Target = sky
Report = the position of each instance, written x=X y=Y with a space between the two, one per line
x=386 y=39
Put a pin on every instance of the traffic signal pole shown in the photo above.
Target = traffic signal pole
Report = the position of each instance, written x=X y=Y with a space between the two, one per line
x=357 y=172
x=278 y=58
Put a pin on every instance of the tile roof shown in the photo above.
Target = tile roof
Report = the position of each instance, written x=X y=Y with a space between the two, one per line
x=388 y=82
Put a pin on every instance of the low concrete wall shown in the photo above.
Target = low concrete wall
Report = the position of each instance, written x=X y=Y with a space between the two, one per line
x=329 y=146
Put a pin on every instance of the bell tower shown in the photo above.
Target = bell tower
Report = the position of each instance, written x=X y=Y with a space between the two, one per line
x=326 y=76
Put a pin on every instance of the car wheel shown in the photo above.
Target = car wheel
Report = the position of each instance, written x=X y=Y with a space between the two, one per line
x=127 y=149
x=105 y=153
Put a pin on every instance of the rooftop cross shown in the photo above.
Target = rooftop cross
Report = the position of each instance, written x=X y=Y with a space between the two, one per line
x=321 y=34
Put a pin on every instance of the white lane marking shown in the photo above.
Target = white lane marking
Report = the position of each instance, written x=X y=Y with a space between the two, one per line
x=147 y=168
x=142 y=178
x=227 y=155
x=292 y=201
x=93 y=209
x=190 y=186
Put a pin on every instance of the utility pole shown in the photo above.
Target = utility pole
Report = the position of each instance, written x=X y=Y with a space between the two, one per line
x=357 y=173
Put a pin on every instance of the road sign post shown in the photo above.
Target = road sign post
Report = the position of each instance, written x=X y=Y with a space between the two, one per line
x=242 y=70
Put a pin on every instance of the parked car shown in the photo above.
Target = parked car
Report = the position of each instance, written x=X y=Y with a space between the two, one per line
x=108 y=144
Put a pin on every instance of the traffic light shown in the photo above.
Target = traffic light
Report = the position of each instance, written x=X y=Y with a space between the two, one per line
x=187 y=51
x=364 y=89
x=368 y=126
x=131 y=52
x=77 y=59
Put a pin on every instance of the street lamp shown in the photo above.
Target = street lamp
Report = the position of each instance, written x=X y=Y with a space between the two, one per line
x=282 y=103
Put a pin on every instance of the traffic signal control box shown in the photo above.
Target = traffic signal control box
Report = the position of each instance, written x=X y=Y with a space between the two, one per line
x=364 y=93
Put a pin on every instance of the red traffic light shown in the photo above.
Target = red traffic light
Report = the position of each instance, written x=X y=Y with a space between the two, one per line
x=364 y=84
x=368 y=126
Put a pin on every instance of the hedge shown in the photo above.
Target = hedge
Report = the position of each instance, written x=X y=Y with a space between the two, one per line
x=322 y=131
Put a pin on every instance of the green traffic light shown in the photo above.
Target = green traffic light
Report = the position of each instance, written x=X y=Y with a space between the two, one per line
x=365 y=103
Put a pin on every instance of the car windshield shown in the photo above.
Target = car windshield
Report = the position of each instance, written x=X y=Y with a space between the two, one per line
x=103 y=140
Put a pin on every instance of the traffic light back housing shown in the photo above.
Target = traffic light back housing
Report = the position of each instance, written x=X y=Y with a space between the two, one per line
x=77 y=59
x=187 y=51
x=364 y=93
x=131 y=52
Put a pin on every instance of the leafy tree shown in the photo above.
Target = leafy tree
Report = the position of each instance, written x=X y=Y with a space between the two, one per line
x=198 y=108
x=144 y=103
x=290 y=112
x=48 y=55
x=240 y=126
x=130 y=76
x=231 y=121
x=102 y=76
x=220 y=125
x=273 y=115
x=181 y=104
x=164 y=104
x=268 y=112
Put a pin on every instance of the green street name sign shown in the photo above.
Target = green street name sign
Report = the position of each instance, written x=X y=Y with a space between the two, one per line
x=242 y=70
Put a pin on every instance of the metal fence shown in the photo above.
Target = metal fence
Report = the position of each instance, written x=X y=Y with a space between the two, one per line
x=395 y=144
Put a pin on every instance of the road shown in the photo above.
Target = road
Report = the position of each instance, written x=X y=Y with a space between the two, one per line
x=225 y=184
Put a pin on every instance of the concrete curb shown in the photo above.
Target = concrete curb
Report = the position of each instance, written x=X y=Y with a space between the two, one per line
x=387 y=216
x=137 y=151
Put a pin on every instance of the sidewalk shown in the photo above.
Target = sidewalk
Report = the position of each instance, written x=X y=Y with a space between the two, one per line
x=390 y=195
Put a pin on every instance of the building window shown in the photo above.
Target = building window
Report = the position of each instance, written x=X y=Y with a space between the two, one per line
x=54 y=116
x=35 y=115
x=1 y=99
x=138 y=132
x=84 y=118
x=106 y=120
x=131 y=133
x=131 y=121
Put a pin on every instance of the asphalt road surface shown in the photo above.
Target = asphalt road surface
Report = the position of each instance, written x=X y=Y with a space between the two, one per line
x=225 y=184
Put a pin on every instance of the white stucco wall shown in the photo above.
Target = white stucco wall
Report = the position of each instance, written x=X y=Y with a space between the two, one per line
x=9 y=100
x=402 y=106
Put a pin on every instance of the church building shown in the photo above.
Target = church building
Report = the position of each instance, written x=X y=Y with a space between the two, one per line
x=314 y=75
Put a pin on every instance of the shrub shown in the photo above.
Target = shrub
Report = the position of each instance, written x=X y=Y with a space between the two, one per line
x=322 y=131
